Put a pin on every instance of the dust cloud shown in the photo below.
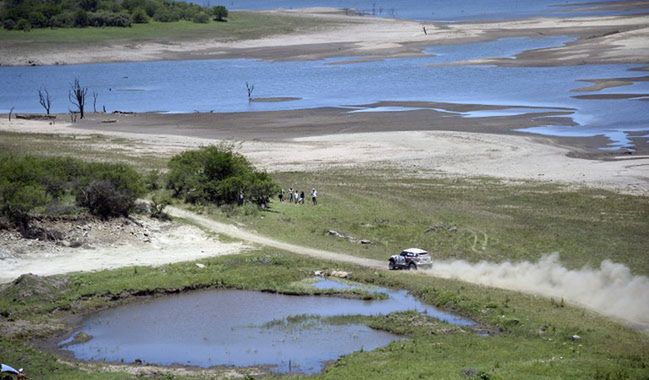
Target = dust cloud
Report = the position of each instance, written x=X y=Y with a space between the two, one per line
x=610 y=290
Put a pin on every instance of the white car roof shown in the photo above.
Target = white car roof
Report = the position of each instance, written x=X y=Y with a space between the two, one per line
x=415 y=250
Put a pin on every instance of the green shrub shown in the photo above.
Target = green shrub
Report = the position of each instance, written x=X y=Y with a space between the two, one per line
x=105 y=199
x=103 y=18
x=62 y=20
x=38 y=20
x=30 y=182
x=158 y=203
x=165 y=15
x=220 y=13
x=152 y=180
x=201 y=18
x=152 y=7
x=81 y=19
x=9 y=24
x=18 y=201
x=139 y=16
x=216 y=174
x=23 y=25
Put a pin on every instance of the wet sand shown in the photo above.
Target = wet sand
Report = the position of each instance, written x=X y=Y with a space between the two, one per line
x=277 y=126
x=421 y=143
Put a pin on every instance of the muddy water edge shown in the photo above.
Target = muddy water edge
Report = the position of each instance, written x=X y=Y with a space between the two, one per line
x=250 y=330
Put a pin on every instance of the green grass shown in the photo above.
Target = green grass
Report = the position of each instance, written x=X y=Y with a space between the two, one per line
x=240 y=25
x=87 y=147
x=471 y=219
x=532 y=339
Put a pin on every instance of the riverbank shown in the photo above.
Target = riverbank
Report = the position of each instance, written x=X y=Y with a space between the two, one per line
x=321 y=33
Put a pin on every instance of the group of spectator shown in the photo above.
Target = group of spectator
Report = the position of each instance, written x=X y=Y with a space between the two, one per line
x=297 y=197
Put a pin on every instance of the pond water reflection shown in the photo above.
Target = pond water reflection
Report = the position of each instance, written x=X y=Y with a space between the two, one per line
x=242 y=328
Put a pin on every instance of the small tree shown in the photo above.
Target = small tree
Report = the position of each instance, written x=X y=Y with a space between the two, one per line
x=94 y=101
x=250 y=88
x=45 y=99
x=217 y=174
x=158 y=204
x=220 y=13
x=77 y=96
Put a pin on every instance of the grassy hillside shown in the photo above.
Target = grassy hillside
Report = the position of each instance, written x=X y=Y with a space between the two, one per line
x=472 y=219
x=240 y=25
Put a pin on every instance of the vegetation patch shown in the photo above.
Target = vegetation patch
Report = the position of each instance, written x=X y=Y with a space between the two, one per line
x=28 y=14
x=31 y=184
x=539 y=345
x=240 y=26
x=218 y=175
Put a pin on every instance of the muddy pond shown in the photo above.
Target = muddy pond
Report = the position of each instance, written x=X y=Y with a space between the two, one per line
x=243 y=328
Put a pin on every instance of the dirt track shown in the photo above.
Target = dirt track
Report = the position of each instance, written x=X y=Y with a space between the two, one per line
x=233 y=231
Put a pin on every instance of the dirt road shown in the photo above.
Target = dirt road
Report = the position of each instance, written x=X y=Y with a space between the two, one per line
x=235 y=232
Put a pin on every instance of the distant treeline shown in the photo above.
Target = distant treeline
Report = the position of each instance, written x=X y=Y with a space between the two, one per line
x=28 y=14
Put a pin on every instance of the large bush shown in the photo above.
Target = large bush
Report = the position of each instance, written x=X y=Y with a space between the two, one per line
x=220 y=13
x=30 y=183
x=104 y=199
x=216 y=174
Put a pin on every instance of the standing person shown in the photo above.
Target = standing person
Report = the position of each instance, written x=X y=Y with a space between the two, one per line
x=290 y=194
x=296 y=196
x=302 y=197
x=241 y=198
x=281 y=196
x=314 y=196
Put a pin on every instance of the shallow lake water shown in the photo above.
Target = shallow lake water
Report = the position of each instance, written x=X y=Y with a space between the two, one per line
x=438 y=10
x=242 y=328
x=219 y=86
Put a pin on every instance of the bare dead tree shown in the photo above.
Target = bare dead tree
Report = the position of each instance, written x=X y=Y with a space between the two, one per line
x=10 y=112
x=250 y=88
x=77 y=96
x=45 y=99
x=94 y=101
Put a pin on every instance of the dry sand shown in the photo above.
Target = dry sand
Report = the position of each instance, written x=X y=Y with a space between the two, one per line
x=167 y=243
x=602 y=39
x=422 y=153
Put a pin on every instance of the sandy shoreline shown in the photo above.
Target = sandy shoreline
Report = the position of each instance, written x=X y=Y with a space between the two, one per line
x=422 y=153
x=615 y=39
